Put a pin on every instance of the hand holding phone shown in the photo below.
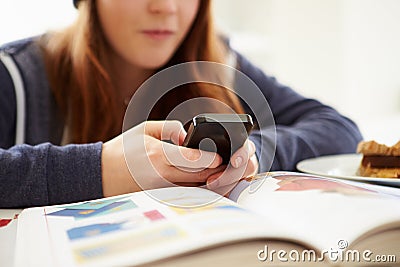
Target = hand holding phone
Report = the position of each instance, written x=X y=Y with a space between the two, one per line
x=221 y=133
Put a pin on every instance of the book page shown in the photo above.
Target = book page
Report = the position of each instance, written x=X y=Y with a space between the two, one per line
x=327 y=213
x=140 y=228
x=130 y=229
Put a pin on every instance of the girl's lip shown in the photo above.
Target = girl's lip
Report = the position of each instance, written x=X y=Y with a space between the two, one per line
x=158 y=34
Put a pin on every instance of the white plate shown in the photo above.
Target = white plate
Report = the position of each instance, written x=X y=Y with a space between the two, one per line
x=342 y=166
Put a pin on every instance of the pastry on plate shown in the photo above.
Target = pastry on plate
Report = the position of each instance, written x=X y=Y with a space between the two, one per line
x=379 y=160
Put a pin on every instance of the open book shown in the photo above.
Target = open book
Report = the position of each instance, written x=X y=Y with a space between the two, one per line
x=279 y=218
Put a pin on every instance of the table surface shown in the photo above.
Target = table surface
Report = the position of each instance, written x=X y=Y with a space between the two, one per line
x=7 y=237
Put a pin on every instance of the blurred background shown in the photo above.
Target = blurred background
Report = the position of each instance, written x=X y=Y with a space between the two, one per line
x=345 y=53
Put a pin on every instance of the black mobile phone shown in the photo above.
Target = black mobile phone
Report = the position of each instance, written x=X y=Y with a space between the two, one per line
x=221 y=133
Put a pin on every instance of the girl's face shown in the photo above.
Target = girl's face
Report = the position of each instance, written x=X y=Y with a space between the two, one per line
x=146 y=33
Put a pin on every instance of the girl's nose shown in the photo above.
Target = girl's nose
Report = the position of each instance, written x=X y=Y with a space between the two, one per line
x=163 y=6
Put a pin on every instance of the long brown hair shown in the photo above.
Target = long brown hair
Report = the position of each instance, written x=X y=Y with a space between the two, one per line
x=75 y=61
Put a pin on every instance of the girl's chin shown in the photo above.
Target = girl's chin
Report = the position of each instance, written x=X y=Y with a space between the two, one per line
x=154 y=64
x=154 y=59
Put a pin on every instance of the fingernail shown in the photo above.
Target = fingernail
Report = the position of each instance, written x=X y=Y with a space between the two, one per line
x=253 y=146
x=238 y=162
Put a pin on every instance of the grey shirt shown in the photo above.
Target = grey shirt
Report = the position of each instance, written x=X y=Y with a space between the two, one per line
x=40 y=172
